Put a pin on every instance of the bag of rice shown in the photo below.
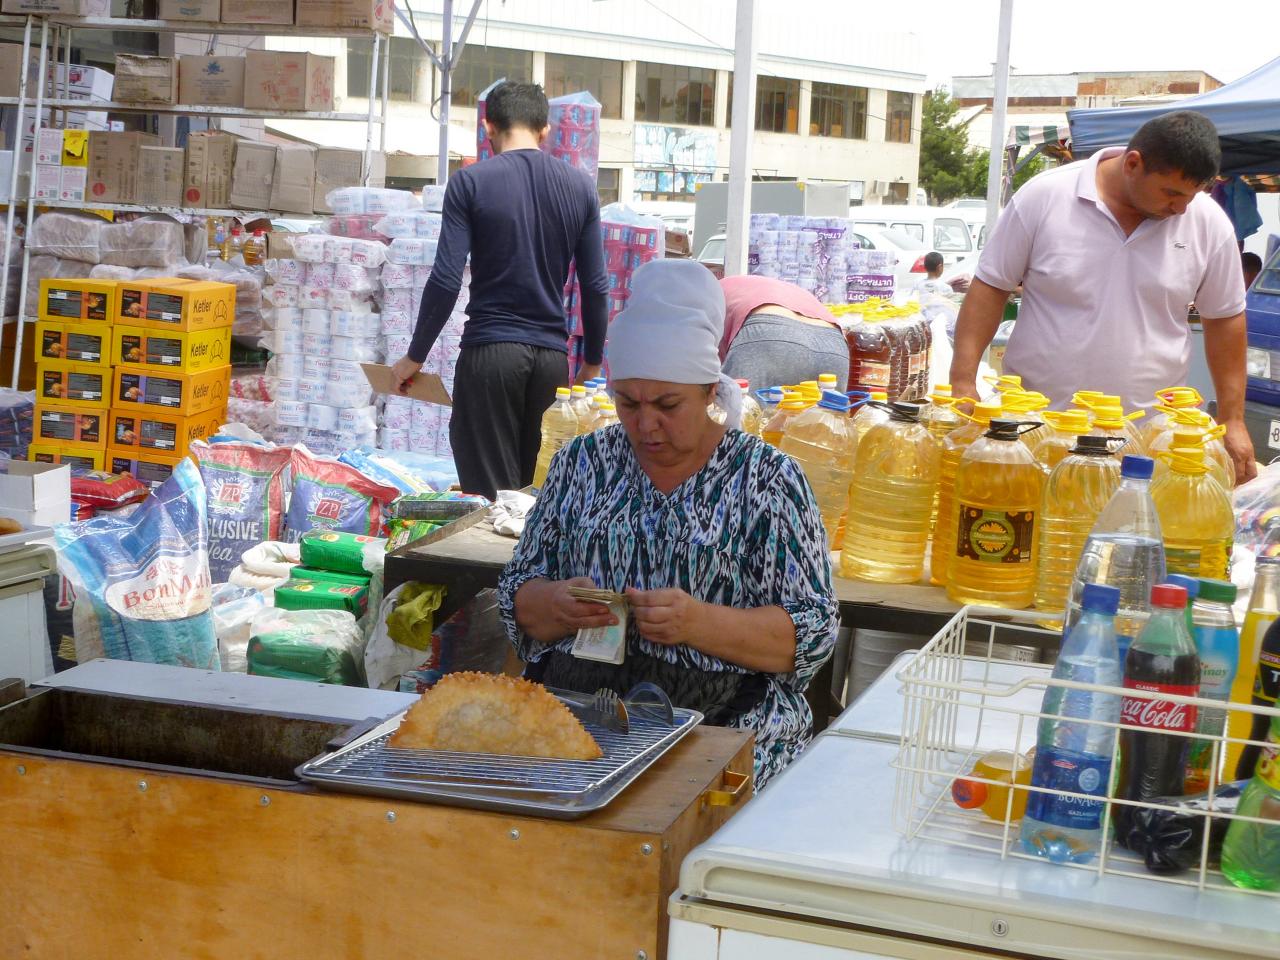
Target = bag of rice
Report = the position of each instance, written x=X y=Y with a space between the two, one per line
x=245 y=484
x=334 y=496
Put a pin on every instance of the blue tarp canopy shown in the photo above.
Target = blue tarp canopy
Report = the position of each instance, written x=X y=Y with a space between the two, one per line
x=1246 y=113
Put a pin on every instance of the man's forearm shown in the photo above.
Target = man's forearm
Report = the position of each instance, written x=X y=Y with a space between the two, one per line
x=1225 y=347
x=976 y=327
x=433 y=313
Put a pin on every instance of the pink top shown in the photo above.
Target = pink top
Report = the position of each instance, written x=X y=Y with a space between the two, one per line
x=1102 y=311
x=744 y=295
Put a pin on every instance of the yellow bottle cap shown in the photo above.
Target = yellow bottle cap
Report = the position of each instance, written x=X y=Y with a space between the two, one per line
x=1068 y=421
x=562 y=393
x=942 y=390
x=578 y=392
x=1189 y=461
x=794 y=406
x=1008 y=382
x=880 y=396
x=987 y=411
x=1086 y=397
x=1187 y=439
x=1190 y=417
x=1179 y=397
x=828 y=378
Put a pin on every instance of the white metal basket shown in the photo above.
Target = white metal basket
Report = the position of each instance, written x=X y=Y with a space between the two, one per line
x=958 y=707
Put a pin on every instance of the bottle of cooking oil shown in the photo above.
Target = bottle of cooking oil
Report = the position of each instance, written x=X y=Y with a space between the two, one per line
x=1264 y=610
x=940 y=417
x=752 y=416
x=999 y=492
x=768 y=398
x=581 y=405
x=953 y=448
x=1168 y=400
x=828 y=381
x=1189 y=420
x=1025 y=405
x=1075 y=493
x=1109 y=419
x=790 y=405
x=894 y=478
x=1063 y=428
x=559 y=426
x=870 y=413
x=1006 y=383
x=1195 y=516
x=821 y=440
x=606 y=416
x=809 y=392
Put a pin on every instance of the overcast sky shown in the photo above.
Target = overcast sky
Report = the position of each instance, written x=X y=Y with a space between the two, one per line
x=958 y=37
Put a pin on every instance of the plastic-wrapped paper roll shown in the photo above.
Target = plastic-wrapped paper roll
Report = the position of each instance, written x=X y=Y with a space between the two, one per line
x=397 y=346
x=287 y=366
x=389 y=439
x=429 y=225
x=424 y=416
x=398 y=224
x=368 y=253
x=345 y=323
x=409 y=251
x=394 y=300
x=396 y=275
x=313 y=391
x=352 y=276
x=352 y=300
x=310 y=247
x=320 y=275
x=312 y=298
x=317 y=344
x=357 y=419
x=279 y=295
x=286 y=272
x=291 y=413
x=286 y=389
x=339 y=250
x=321 y=417
x=397 y=322
x=283 y=318
x=398 y=415
x=353 y=348
x=348 y=393
x=285 y=341
x=421 y=275
x=315 y=320
x=316 y=367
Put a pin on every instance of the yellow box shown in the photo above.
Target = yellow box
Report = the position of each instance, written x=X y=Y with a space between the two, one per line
x=74 y=341
x=145 y=465
x=70 y=428
x=173 y=304
x=147 y=431
x=75 y=148
x=57 y=453
x=137 y=388
x=185 y=352
x=82 y=300
x=79 y=385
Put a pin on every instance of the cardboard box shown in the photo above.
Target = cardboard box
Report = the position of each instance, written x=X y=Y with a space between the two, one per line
x=113 y=165
x=257 y=11
x=48 y=181
x=366 y=14
x=73 y=183
x=70 y=426
x=42 y=489
x=146 y=79
x=210 y=158
x=217 y=81
x=209 y=11
x=337 y=167
x=164 y=349
x=83 y=83
x=81 y=300
x=280 y=80
x=48 y=145
x=176 y=305
x=151 y=468
x=75 y=8
x=56 y=453
x=160 y=431
x=294 y=180
x=79 y=385
x=11 y=70
x=160 y=173
x=252 y=175
x=79 y=342
x=75 y=148
x=141 y=388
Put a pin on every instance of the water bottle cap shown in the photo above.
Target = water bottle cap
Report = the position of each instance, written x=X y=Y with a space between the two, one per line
x=1189 y=584
x=1101 y=598
x=1168 y=596
x=745 y=384
x=834 y=400
x=1217 y=591
x=1134 y=467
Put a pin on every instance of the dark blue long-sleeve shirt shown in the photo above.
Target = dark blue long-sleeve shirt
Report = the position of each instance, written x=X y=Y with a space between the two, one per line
x=522 y=216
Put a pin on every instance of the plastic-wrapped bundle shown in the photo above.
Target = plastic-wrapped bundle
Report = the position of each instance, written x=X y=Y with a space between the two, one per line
x=354 y=323
x=412 y=251
x=245 y=484
x=414 y=223
x=346 y=201
x=397 y=276
x=17 y=415
x=359 y=227
x=68 y=236
x=148 y=242
x=574 y=134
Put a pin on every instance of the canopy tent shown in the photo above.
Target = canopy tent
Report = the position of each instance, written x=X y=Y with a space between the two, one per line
x=1246 y=113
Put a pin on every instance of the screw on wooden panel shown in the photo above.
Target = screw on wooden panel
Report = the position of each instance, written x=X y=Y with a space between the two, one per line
x=1000 y=927
x=514 y=834
x=641 y=955
x=391 y=816
x=22 y=771
x=646 y=848
x=142 y=785
x=264 y=800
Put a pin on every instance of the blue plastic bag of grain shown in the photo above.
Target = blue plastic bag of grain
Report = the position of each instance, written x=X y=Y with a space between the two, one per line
x=334 y=496
x=245 y=484
x=142 y=583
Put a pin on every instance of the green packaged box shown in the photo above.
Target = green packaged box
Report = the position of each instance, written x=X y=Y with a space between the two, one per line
x=290 y=655
x=335 y=550
x=320 y=595
x=328 y=576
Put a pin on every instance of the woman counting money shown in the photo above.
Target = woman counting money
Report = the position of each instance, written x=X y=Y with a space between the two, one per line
x=712 y=535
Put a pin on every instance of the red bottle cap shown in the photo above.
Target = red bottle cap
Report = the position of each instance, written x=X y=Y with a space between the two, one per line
x=1169 y=596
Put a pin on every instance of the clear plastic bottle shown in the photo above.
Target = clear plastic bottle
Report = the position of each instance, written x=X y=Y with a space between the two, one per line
x=606 y=416
x=1264 y=610
x=1063 y=428
x=871 y=355
x=1195 y=428
x=894 y=478
x=940 y=417
x=953 y=448
x=752 y=416
x=1195 y=515
x=1251 y=851
x=777 y=425
x=255 y=248
x=559 y=426
x=1074 y=753
x=821 y=440
x=1218 y=646
x=220 y=239
x=1109 y=419
x=1124 y=550
x=1076 y=492
x=870 y=413
x=1192 y=586
x=768 y=399
x=581 y=405
x=999 y=492
x=1168 y=400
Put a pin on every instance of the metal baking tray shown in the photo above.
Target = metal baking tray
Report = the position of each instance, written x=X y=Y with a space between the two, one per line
x=559 y=789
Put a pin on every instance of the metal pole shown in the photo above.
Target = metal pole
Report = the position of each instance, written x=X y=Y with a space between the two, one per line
x=366 y=162
x=20 y=330
x=446 y=91
x=13 y=196
x=386 y=95
x=738 y=213
x=999 y=115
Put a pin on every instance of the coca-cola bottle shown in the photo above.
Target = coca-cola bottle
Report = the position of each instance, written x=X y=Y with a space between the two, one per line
x=1161 y=660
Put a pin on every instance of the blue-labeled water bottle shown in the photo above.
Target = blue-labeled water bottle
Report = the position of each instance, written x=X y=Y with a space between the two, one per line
x=1074 y=745
x=1218 y=646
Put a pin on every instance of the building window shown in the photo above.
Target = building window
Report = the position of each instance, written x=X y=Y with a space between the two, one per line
x=607 y=185
x=601 y=78
x=666 y=93
x=777 y=105
x=898 y=122
x=481 y=66
x=838 y=111
x=409 y=73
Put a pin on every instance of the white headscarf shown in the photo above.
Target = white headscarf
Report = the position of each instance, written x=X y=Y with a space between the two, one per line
x=670 y=331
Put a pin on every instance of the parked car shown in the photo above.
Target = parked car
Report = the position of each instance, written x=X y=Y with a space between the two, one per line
x=938 y=228
x=973 y=210
x=712 y=255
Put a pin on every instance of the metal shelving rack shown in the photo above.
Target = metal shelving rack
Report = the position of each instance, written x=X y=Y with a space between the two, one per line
x=55 y=33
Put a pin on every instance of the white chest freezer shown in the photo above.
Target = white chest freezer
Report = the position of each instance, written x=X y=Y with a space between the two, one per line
x=813 y=869
x=24 y=638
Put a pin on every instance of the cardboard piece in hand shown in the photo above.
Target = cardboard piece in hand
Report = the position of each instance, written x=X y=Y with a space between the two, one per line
x=427 y=387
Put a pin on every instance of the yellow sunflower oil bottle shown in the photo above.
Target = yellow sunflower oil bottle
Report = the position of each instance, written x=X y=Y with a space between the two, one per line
x=953 y=448
x=1063 y=428
x=870 y=413
x=1195 y=516
x=895 y=475
x=790 y=405
x=1168 y=400
x=1026 y=405
x=559 y=426
x=1189 y=420
x=999 y=491
x=1109 y=419
x=1075 y=493
x=821 y=440
x=940 y=417
x=581 y=405
x=752 y=415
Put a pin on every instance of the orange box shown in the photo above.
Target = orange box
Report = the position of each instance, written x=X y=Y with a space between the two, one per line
x=55 y=453
x=145 y=465
x=81 y=300
x=80 y=385
x=68 y=427
x=139 y=388
x=159 y=431
x=75 y=341
x=173 y=304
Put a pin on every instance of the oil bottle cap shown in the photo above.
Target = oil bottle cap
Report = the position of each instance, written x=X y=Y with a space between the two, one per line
x=1135 y=467
x=942 y=389
x=562 y=393
x=745 y=384
x=1093 y=446
x=1189 y=584
x=1179 y=396
x=1009 y=430
x=1100 y=598
x=834 y=400
x=1217 y=591
x=987 y=411
x=904 y=412
x=1169 y=596
x=1068 y=421
x=578 y=391
x=880 y=395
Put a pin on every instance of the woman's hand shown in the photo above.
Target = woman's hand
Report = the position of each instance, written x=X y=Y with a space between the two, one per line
x=669 y=617
x=547 y=612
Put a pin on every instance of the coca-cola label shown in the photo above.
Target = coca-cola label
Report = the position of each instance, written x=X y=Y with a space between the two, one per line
x=1158 y=714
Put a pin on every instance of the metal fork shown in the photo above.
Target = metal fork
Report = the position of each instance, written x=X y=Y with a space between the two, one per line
x=610 y=706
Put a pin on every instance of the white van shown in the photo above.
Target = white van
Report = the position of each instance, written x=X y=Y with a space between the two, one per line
x=937 y=227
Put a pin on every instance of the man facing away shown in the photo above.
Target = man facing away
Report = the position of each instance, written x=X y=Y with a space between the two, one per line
x=1111 y=252
x=522 y=216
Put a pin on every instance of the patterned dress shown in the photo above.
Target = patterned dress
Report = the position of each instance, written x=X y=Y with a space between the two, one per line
x=743 y=532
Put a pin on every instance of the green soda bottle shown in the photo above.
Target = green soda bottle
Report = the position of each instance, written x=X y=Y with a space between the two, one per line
x=1251 y=851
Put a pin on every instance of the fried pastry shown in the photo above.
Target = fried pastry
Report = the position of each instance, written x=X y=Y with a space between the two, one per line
x=490 y=713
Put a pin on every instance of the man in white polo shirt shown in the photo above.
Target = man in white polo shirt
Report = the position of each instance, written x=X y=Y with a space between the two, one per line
x=1110 y=253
